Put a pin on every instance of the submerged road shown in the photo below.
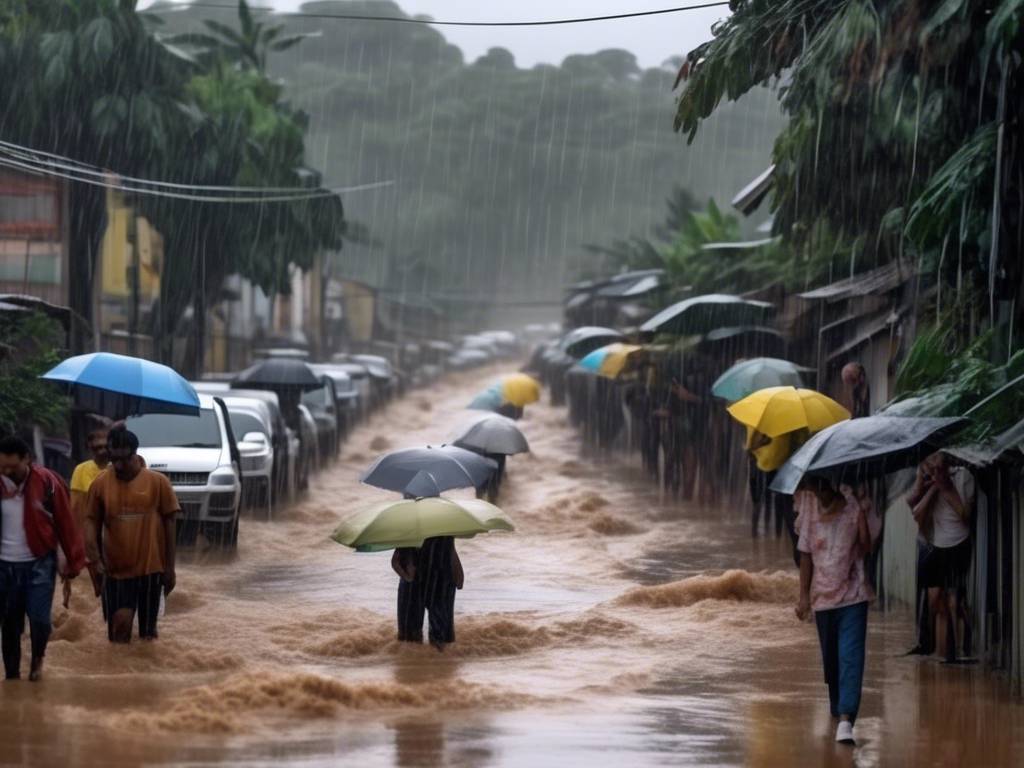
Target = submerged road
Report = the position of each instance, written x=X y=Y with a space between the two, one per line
x=612 y=629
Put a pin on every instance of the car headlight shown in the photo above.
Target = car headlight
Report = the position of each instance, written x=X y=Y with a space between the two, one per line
x=222 y=477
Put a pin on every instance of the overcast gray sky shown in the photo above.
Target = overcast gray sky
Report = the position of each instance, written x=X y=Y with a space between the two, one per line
x=653 y=39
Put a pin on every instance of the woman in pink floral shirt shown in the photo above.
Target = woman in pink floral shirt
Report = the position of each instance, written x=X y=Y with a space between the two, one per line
x=836 y=532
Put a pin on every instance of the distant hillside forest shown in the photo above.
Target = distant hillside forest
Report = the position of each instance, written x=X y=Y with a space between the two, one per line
x=501 y=175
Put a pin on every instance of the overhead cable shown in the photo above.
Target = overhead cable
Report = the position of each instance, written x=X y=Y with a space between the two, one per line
x=449 y=23
x=42 y=170
x=61 y=162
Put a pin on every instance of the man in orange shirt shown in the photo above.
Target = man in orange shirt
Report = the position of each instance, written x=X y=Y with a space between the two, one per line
x=134 y=507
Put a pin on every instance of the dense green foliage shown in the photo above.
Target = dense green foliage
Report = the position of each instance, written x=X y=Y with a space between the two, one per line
x=32 y=344
x=905 y=130
x=90 y=79
x=501 y=174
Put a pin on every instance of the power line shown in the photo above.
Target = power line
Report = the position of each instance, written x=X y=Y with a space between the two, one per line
x=42 y=170
x=61 y=162
x=445 y=23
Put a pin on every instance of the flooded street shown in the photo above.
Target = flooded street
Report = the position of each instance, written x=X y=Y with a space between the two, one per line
x=611 y=629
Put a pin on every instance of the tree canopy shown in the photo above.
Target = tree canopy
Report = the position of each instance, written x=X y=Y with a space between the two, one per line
x=904 y=129
x=501 y=174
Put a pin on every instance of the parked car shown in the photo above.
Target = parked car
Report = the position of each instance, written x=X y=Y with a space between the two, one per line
x=253 y=425
x=287 y=456
x=323 y=406
x=383 y=379
x=361 y=381
x=201 y=459
x=346 y=397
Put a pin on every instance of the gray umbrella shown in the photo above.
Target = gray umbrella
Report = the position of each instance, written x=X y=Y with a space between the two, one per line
x=494 y=434
x=859 y=449
x=703 y=314
x=447 y=465
x=278 y=373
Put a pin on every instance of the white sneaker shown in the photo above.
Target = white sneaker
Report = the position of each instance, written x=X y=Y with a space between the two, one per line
x=844 y=732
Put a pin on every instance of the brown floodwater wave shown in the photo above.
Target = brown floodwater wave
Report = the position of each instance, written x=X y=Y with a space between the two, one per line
x=734 y=585
x=244 y=702
x=614 y=627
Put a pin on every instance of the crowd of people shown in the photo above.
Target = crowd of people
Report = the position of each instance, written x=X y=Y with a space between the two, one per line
x=664 y=411
x=117 y=522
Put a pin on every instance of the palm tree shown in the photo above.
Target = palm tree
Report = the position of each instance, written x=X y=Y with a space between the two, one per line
x=248 y=46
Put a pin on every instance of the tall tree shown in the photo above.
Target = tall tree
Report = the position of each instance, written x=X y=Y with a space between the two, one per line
x=903 y=139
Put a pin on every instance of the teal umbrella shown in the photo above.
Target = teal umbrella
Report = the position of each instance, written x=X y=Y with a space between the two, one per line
x=749 y=376
x=488 y=400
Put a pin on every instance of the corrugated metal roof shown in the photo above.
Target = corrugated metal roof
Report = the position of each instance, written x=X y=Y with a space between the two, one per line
x=881 y=280
x=741 y=245
x=982 y=454
x=749 y=198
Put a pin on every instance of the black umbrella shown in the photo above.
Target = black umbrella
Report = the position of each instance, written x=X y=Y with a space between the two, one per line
x=411 y=470
x=278 y=373
x=858 y=449
x=703 y=314
x=494 y=434
x=582 y=341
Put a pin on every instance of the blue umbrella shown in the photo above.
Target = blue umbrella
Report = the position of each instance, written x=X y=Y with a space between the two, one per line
x=488 y=400
x=592 y=360
x=118 y=386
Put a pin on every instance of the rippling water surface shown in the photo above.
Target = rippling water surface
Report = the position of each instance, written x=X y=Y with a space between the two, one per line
x=612 y=629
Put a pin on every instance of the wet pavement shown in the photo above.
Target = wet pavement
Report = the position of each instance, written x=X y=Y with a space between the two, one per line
x=612 y=628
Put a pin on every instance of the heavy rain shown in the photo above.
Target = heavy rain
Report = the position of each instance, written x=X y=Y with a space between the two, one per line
x=444 y=383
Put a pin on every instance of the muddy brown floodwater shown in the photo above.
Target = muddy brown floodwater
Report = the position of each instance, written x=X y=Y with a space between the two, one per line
x=611 y=629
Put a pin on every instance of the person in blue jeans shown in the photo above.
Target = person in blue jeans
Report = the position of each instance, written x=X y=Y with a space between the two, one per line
x=837 y=530
x=36 y=518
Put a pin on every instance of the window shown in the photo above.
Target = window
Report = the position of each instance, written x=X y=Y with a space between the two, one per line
x=164 y=430
x=243 y=423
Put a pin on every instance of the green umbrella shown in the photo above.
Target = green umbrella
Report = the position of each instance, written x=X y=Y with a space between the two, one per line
x=749 y=376
x=407 y=523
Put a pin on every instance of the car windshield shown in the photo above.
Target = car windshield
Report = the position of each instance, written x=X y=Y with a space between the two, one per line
x=315 y=399
x=244 y=423
x=164 y=430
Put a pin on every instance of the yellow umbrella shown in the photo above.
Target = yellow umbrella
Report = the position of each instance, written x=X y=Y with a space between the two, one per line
x=519 y=389
x=777 y=410
x=616 y=360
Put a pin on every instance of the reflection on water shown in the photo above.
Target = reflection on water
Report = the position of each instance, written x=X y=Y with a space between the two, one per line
x=612 y=629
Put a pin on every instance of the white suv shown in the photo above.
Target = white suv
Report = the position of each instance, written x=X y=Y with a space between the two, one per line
x=201 y=459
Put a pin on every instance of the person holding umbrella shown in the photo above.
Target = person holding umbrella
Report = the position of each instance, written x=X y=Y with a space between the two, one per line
x=429 y=575
x=834 y=538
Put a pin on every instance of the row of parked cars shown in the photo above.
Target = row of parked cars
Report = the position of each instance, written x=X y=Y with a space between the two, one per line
x=253 y=449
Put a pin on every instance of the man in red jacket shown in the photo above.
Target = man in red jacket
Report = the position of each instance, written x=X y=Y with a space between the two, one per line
x=36 y=518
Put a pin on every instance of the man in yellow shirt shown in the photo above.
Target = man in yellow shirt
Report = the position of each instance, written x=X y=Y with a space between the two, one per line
x=81 y=481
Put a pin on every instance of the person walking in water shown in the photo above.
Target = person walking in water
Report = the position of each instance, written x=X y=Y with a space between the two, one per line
x=430 y=575
x=36 y=519
x=81 y=481
x=135 y=509
x=835 y=536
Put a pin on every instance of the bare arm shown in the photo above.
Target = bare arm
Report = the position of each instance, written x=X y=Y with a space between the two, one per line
x=803 y=608
x=407 y=574
x=170 y=550
x=457 y=573
x=863 y=532
x=93 y=524
x=921 y=485
x=921 y=509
